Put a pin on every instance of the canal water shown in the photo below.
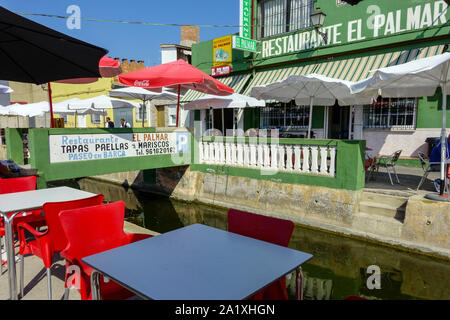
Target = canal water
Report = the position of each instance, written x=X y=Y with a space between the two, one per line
x=340 y=265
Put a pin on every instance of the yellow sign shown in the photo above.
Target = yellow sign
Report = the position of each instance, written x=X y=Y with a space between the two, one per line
x=222 y=52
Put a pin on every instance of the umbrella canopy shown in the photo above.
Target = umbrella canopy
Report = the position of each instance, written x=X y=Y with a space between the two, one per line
x=141 y=94
x=33 y=53
x=219 y=102
x=5 y=89
x=100 y=103
x=108 y=68
x=416 y=78
x=175 y=75
x=35 y=109
x=312 y=89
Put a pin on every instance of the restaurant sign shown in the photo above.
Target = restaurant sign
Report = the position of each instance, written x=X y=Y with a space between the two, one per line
x=375 y=24
x=84 y=147
x=244 y=44
x=245 y=19
x=222 y=52
x=221 y=71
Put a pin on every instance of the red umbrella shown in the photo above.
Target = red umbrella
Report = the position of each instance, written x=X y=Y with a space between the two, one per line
x=176 y=75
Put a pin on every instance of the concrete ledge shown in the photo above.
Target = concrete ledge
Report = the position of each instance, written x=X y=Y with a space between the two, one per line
x=326 y=209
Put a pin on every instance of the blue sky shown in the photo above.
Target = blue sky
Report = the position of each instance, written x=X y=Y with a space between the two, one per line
x=139 y=42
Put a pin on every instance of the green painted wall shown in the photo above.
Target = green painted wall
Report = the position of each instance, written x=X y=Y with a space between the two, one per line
x=430 y=111
x=14 y=145
x=40 y=157
x=350 y=173
x=202 y=57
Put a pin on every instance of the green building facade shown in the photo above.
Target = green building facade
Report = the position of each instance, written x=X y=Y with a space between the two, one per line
x=352 y=41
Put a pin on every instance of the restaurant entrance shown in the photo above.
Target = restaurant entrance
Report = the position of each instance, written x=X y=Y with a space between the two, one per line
x=338 y=122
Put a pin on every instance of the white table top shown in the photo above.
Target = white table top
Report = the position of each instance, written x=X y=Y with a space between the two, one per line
x=28 y=200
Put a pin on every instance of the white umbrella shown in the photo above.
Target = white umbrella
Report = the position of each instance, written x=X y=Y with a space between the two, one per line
x=416 y=78
x=142 y=94
x=100 y=102
x=5 y=89
x=29 y=110
x=312 y=89
x=224 y=102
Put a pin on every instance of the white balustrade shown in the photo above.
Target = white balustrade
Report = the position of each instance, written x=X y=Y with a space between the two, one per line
x=233 y=154
x=297 y=152
x=200 y=152
x=332 y=171
x=228 y=160
x=305 y=167
x=240 y=154
x=314 y=162
x=253 y=155
x=246 y=152
x=323 y=160
x=302 y=159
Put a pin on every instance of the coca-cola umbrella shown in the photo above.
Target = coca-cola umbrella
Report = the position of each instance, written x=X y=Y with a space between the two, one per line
x=33 y=53
x=177 y=75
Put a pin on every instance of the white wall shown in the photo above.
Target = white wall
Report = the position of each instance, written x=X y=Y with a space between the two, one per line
x=387 y=142
x=168 y=55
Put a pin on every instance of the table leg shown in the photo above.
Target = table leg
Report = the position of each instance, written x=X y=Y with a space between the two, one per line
x=299 y=284
x=95 y=285
x=10 y=255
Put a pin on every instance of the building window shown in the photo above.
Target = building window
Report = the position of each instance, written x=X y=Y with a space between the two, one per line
x=65 y=117
x=285 y=116
x=141 y=112
x=172 y=109
x=398 y=113
x=96 y=118
x=281 y=16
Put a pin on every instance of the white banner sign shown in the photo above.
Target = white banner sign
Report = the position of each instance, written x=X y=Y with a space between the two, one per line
x=69 y=148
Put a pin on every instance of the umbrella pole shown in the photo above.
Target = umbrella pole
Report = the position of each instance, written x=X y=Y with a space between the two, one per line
x=143 y=116
x=223 y=123
x=52 y=125
x=178 y=105
x=444 y=131
x=310 y=116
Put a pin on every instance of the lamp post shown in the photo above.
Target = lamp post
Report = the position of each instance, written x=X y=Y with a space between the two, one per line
x=317 y=19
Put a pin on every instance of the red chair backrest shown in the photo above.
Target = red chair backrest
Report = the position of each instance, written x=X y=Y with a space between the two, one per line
x=22 y=184
x=94 y=229
x=269 y=229
x=51 y=214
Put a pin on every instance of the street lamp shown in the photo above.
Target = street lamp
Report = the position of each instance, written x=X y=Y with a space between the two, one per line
x=317 y=19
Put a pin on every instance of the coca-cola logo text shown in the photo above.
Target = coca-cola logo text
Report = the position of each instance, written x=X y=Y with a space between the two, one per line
x=142 y=83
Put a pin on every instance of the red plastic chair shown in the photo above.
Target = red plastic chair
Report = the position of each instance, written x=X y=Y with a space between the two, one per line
x=34 y=217
x=46 y=244
x=269 y=229
x=93 y=230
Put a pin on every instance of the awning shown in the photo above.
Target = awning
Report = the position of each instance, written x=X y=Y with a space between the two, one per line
x=353 y=69
x=236 y=82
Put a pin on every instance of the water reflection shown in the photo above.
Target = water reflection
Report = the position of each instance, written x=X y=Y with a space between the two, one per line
x=339 y=267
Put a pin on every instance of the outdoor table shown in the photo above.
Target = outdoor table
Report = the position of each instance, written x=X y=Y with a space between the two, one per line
x=196 y=262
x=26 y=201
